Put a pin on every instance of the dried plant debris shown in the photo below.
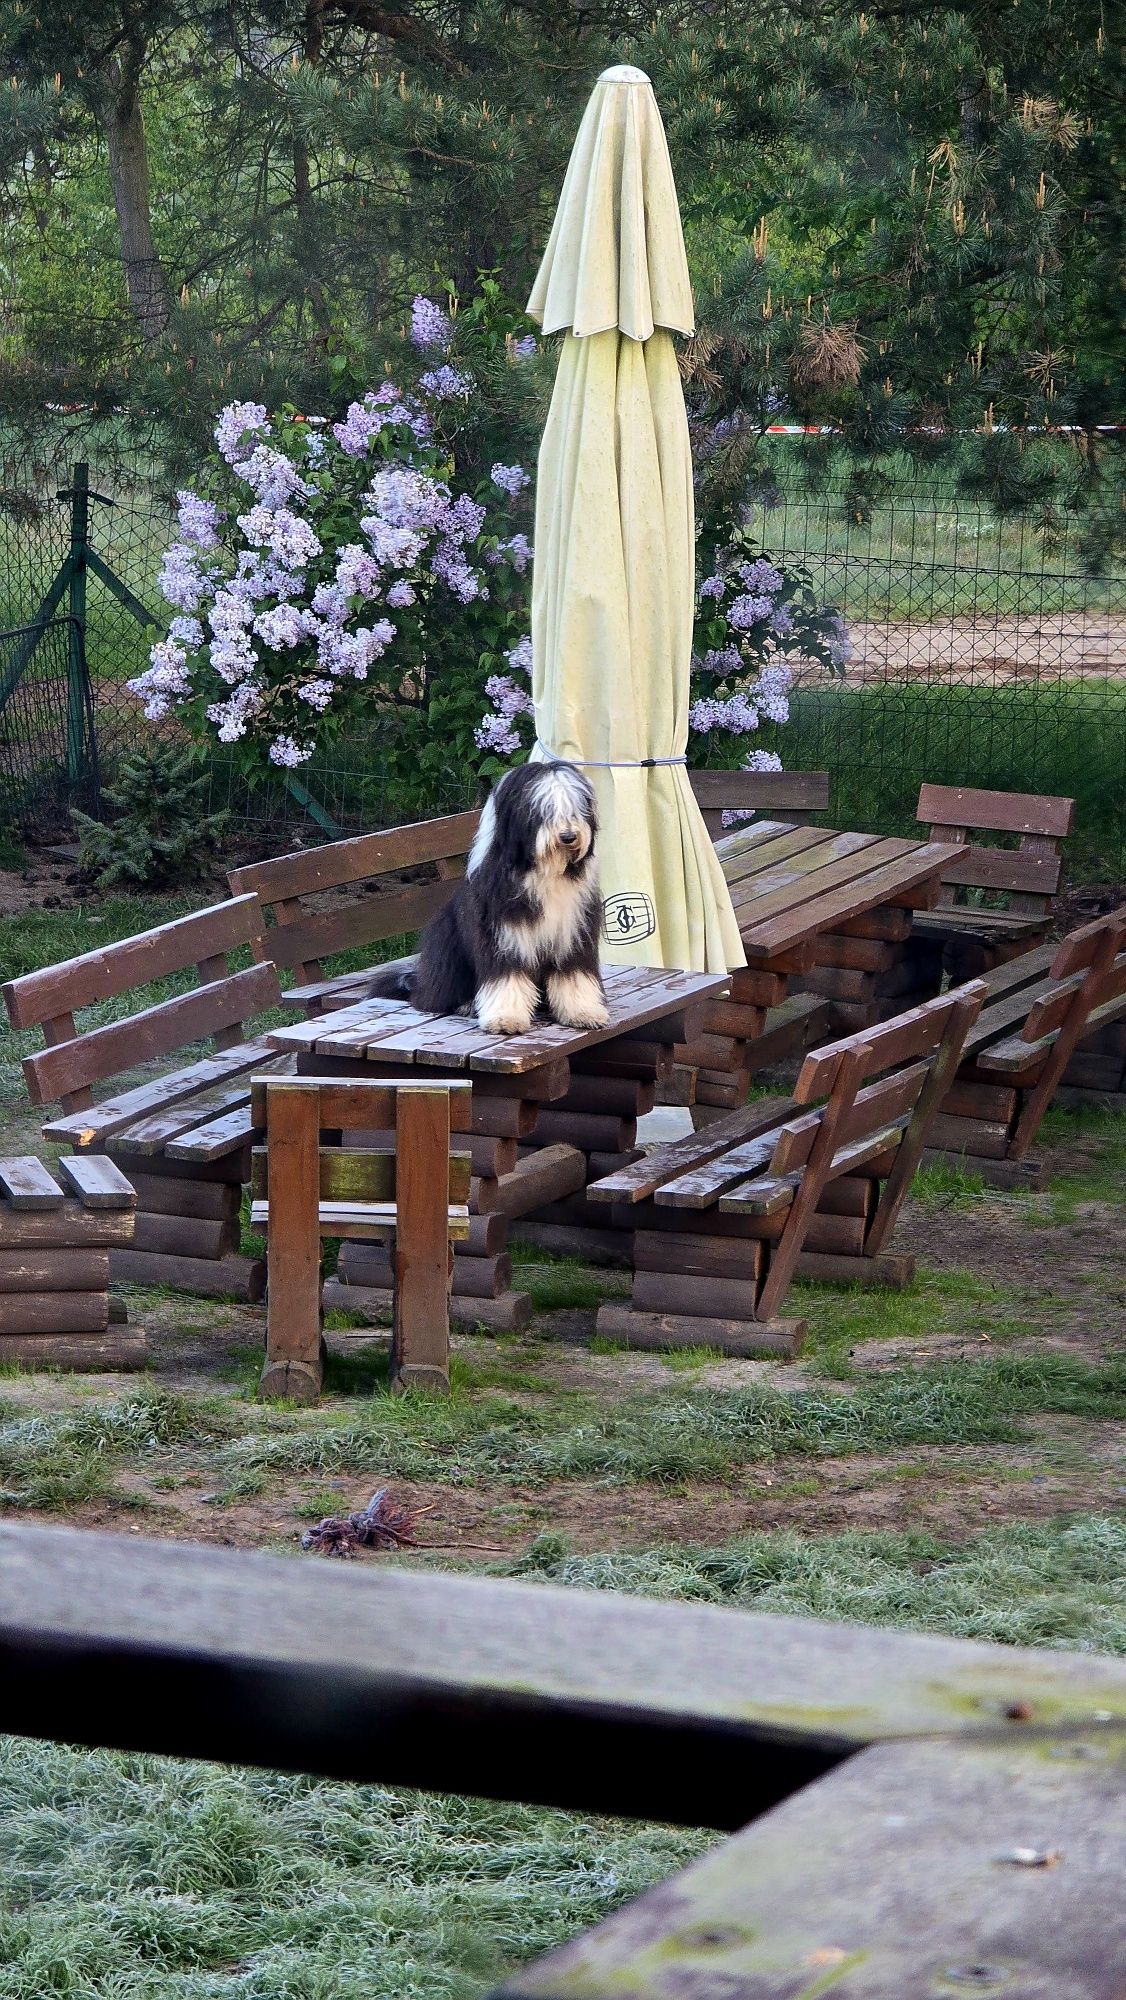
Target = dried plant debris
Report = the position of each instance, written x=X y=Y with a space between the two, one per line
x=382 y=1524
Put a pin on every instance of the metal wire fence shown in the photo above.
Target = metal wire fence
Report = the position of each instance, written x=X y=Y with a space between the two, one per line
x=983 y=652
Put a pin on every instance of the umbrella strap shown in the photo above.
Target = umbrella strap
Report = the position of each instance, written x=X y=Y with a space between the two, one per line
x=618 y=764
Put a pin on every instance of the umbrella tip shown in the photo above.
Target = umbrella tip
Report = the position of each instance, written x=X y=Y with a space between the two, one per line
x=623 y=73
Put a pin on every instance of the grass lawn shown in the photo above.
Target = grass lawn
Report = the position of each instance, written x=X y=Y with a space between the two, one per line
x=947 y=1458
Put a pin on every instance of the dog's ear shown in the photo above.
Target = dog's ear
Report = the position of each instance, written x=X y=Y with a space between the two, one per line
x=513 y=842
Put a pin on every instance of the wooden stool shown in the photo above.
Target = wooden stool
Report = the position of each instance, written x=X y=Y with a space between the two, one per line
x=417 y=1195
x=55 y=1241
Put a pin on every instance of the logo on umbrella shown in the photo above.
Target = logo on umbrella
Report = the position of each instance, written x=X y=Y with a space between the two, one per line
x=627 y=917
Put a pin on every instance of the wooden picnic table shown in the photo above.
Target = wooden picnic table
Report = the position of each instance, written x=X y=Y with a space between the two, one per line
x=822 y=915
x=552 y=1109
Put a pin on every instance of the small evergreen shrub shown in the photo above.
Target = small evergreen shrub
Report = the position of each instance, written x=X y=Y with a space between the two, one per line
x=161 y=834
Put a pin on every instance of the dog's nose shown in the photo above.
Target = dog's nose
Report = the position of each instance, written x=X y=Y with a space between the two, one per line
x=568 y=836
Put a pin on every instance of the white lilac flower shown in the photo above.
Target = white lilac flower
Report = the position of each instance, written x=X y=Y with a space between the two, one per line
x=231 y=611
x=712 y=586
x=397 y=548
x=761 y=576
x=284 y=751
x=507 y=698
x=315 y=446
x=197 y=519
x=445 y=384
x=519 y=656
x=430 y=326
x=357 y=573
x=722 y=660
x=495 y=732
x=400 y=594
x=748 y=611
x=186 y=631
x=363 y=422
x=510 y=478
x=165 y=682
x=352 y=653
x=285 y=534
x=234 y=424
x=231 y=716
x=317 y=693
x=233 y=658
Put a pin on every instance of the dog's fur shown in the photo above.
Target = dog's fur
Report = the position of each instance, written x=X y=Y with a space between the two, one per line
x=524 y=922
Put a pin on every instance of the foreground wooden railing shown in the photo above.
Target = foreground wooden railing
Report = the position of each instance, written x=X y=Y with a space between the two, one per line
x=933 y=1817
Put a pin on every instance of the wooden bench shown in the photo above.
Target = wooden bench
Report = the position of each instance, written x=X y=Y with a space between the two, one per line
x=960 y=934
x=56 y=1233
x=720 y=1220
x=728 y=795
x=912 y=1815
x=416 y=1193
x=1039 y=1008
x=188 y=1188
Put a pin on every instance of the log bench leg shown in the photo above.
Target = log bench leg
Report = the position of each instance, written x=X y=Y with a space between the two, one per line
x=294 y=1365
x=187 y=1230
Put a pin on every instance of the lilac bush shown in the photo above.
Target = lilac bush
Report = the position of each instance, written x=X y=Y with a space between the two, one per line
x=320 y=575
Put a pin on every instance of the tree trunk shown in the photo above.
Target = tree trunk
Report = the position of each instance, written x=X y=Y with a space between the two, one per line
x=124 y=127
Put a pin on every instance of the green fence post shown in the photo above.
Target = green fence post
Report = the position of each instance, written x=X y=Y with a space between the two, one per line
x=76 y=692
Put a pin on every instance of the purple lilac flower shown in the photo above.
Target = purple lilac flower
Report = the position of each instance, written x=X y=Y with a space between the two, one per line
x=445 y=384
x=510 y=478
x=181 y=580
x=287 y=753
x=357 y=573
x=722 y=660
x=232 y=715
x=235 y=422
x=748 y=611
x=448 y=564
x=186 y=631
x=712 y=586
x=352 y=653
x=287 y=536
x=761 y=576
x=315 y=446
x=772 y=692
x=198 y=519
x=272 y=477
x=507 y=698
x=317 y=693
x=397 y=548
x=380 y=408
x=495 y=732
x=430 y=326
x=164 y=682
x=330 y=600
x=518 y=550
x=284 y=626
x=840 y=647
x=464 y=519
x=408 y=498
x=782 y=621
x=737 y=714
x=400 y=594
x=519 y=656
x=526 y=346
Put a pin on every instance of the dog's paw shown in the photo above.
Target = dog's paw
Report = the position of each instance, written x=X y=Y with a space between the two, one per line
x=577 y=1000
x=507 y=1006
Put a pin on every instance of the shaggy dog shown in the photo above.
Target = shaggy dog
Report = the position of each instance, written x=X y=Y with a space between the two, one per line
x=525 y=920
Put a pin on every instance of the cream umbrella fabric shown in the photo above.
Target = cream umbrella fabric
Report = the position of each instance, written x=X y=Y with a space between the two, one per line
x=613 y=587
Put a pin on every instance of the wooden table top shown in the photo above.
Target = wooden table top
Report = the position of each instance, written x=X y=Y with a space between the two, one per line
x=789 y=883
x=389 y=1031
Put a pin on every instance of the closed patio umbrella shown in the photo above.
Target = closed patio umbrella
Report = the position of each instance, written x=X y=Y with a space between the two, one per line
x=612 y=596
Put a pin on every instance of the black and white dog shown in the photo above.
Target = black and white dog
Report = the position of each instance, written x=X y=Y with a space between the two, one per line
x=525 y=920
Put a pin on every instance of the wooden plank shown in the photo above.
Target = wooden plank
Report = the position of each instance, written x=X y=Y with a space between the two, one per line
x=420 y=1338
x=765 y=791
x=361 y=1176
x=363 y=1103
x=1078 y=949
x=150 y=1135
x=154 y=1031
x=70 y=1225
x=320 y=934
x=113 y=969
x=892 y=1271
x=54 y=1312
x=26 y=1184
x=667 y=1331
x=293 y=1366
x=666 y=1163
x=995 y=812
x=54 y=1270
x=1005 y=868
x=916 y=1869
x=840 y=857
x=991 y=924
x=96 y=1181
x=216 y=1140
x=117 y=1347
x=95 y=1126
x=342 y=862
x=904 y=1038
x=741 y=867
x=666 y=993
x=903 y=873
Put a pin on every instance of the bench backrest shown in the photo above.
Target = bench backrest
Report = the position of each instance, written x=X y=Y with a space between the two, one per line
x=303 y=935
x=219 y=1006
x=789 y=795
x=1028 y=873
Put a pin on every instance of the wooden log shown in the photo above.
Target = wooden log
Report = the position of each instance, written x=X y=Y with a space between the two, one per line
x=848 y=1016
x=835 y=1234
x=891 y=1271
x=690 y=1255
x=538 y=1086
x=796 y=1025
x=696 y=1297
x=486 y=1234
x=1094 y=1072
x=54 y=1270
x=741 y=1022
x=711 y=1052
x=186 y=1235
x=548 y=1175
x=738 y=1080
x=615 y=1096
x=852 y=1194
x=577 y=1210
x=115 y=1348
x=502 y=1117
x=678 y=1089
x=898 y=980
x=586 y=1130
x=858 y=954
x=886 y=921
x=71 y=1226
x=54 y=1312
x=980 y=1100
x=207 y=1201
x=233 y=1168
x=473 y=1277
x=1106 y=1041
x=669 y=1028
x=209 y=1277
x=607 y=1247
x=727 y=1096
x=598 y=1165
x=504 y=1315
x=751 y=986
x=1026 y=1173
x=987 y=1137
x=838 y=983
x=660 y=1331
x=483 y=1194
x=629 y=1056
